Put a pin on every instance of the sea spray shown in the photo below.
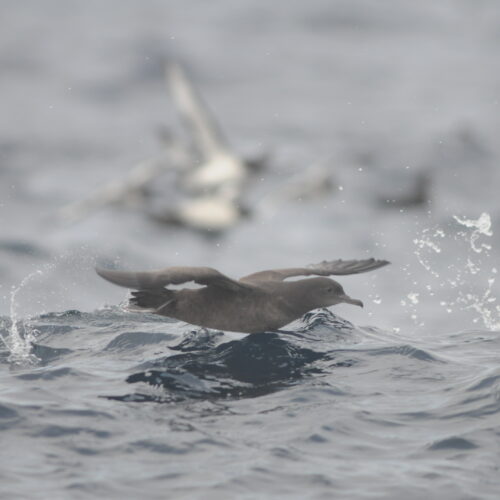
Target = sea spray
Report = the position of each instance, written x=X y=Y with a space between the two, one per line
x=45 y=288
x=481 y=226
x=20 y=334
x=460 y=277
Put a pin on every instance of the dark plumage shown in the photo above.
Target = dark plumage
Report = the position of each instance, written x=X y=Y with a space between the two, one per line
x=258 y=302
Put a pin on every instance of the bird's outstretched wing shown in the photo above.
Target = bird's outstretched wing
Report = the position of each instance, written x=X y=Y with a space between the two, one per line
x=148 y=280
x=325 y=268
x=205 y=130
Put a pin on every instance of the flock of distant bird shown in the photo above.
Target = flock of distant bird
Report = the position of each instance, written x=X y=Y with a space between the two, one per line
x=211 y=178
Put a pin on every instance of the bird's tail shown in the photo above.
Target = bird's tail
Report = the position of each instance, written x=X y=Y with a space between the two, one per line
x=154 y=299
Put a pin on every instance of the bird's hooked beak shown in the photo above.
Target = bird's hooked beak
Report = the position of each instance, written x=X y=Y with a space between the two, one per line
x=348 y=300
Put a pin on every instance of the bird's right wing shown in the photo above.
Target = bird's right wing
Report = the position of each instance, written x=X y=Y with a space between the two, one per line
x=206 y=132
x=325 y=268
x=146 y=280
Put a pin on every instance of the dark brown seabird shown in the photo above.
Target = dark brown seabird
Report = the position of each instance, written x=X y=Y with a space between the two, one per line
x=258 y=302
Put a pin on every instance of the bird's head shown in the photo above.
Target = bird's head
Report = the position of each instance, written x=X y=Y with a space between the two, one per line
x=325 y=292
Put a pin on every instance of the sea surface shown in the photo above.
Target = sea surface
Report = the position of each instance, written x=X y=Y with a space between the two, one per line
x=400 y=399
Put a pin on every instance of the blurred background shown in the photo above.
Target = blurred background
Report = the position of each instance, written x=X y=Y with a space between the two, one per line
x=393 y=106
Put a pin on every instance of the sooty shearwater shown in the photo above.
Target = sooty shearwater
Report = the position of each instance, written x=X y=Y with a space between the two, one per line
x=258 y=302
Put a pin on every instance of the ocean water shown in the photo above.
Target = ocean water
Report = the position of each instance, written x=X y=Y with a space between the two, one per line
x=400 y=399
x=113 y=404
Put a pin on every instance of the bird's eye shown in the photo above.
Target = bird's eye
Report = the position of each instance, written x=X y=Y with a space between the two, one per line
x=329 y=289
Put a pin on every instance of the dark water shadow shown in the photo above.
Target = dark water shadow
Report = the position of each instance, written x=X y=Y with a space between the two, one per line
x=258 y=364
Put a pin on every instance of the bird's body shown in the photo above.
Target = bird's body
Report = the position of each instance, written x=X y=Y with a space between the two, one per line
x=259 y=302
x=259 y=308
x=203 y=308
x=211 y=213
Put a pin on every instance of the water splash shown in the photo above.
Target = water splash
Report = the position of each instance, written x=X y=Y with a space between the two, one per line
x=481 y=226
x=460 y=276
x=46 y=288
x=481 y=303
x=20 y=334
x=484 y=306
x=413 y=297
x=427 y=241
